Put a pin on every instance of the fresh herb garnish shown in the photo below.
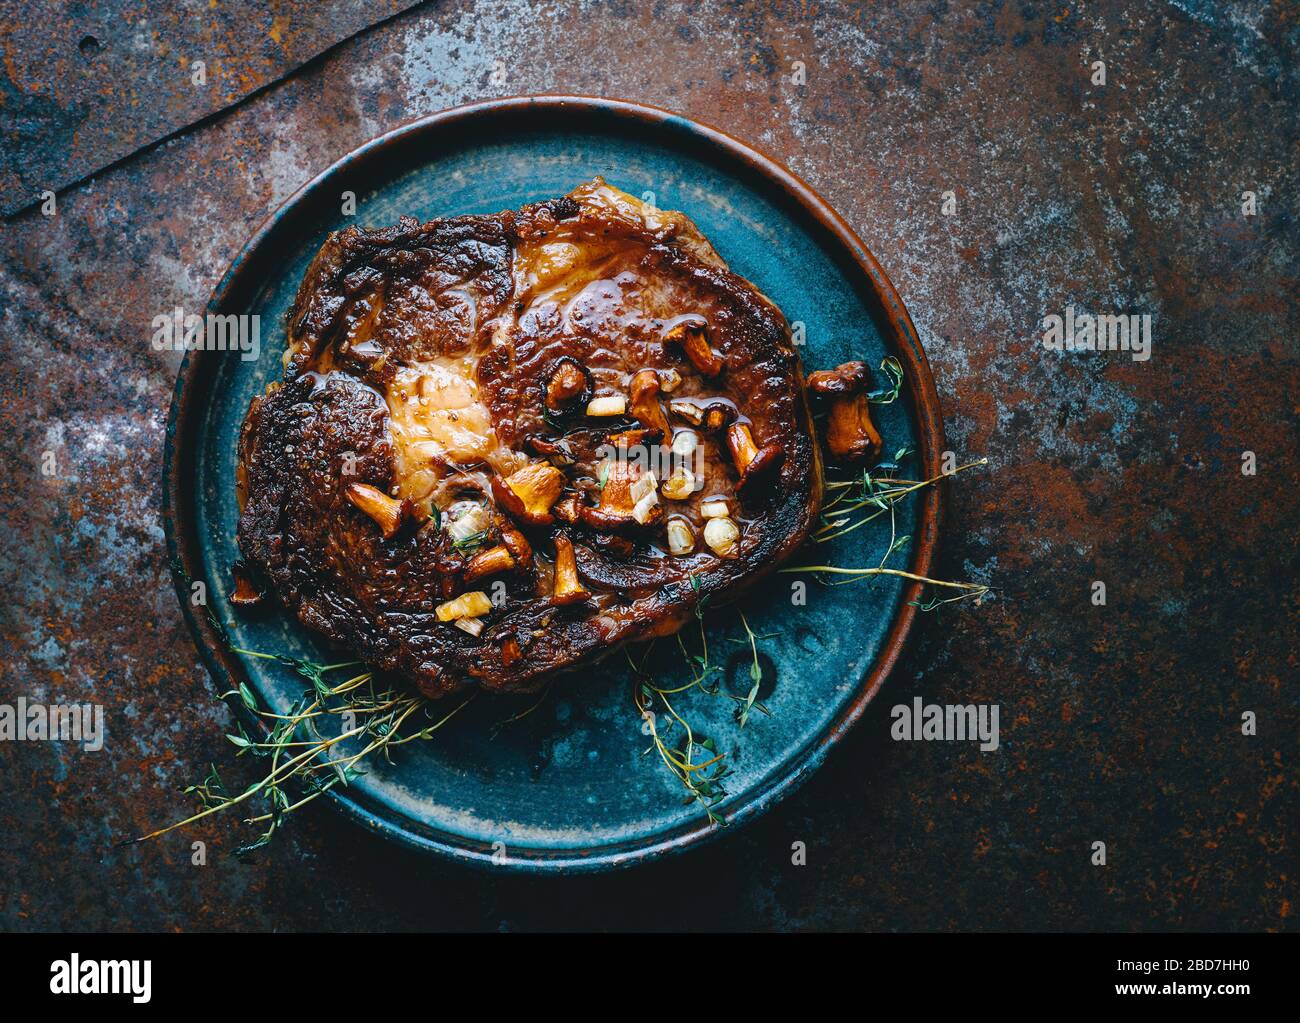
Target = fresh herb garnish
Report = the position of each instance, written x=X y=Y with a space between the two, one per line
x=887 y=395
x=470 y=542
x=304 y=761
x=755 y=675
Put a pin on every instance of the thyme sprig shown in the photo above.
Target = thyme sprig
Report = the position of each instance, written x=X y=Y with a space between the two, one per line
x=304 y=761
x=873 y=495
x=755 y=676
x=703 y=786
x=471 y=542
x=975 y=591
x=893 y=370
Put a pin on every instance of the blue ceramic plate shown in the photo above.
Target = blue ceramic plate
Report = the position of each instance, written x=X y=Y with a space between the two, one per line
x=570 y=786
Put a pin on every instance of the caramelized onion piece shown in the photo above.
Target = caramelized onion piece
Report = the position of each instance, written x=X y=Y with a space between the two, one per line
x=467 y=605
x=607 y=406
x=681 y=538
x=722 y=536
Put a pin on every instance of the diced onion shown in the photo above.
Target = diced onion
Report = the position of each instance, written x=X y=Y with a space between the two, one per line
x=643 y=486
x=722 y=536
x=680 y=485
x=610 y=405
x=467 y=605
x=685 y=443
x=644 y=508
x=471 y=520
x=680 y=538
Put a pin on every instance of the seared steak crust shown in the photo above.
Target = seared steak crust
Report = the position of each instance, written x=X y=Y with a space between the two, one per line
x=437 y=432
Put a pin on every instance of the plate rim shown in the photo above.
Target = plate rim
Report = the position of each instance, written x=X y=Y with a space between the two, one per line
x=198 y=369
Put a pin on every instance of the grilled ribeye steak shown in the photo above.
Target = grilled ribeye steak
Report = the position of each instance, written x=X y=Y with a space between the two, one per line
x=505 y=444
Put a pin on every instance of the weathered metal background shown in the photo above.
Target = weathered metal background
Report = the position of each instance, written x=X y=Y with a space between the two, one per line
x=1120 y=723
x=83 y=85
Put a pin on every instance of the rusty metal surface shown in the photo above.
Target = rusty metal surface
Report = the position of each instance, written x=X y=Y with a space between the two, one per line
x=83 y=85
x=1120 y=723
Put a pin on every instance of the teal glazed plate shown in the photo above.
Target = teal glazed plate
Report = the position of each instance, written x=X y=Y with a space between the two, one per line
x=573 y=783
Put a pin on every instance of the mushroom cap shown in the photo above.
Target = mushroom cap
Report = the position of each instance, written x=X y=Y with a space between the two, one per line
x=845 y=379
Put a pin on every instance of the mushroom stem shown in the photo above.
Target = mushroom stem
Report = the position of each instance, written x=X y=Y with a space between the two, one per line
x=568 y=589
x=246 y=593
x=489 y=562
x=515 y=542
x=851 y=436
x=645 y=401
x=387 y=512
x=693 y=336
x=741 y=443
x=752 y=462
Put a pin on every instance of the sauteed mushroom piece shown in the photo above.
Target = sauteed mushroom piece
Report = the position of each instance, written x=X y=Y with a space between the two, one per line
x=645 y=401
x=246 y=592
x=851 y=436
x=629 y=497
x=529 y=493
x=387 y=512
x=568 y=386
x=568 y=589
x=693 y=337
x=752 y=462
x=492 y=561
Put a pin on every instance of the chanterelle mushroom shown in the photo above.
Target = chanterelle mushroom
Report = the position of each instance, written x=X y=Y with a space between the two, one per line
x=753 y=463
x=645 y=402
x=489 y=562
x=529 y=493
x=568 y=589
x=693 y=336
x=629 y=497
x=387 y=512
x=568 y=386
x=851 y=436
